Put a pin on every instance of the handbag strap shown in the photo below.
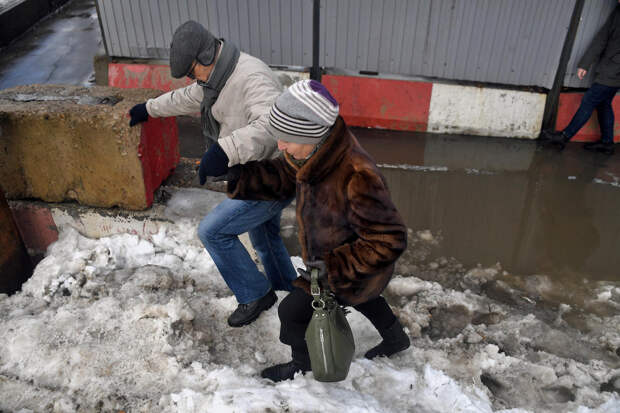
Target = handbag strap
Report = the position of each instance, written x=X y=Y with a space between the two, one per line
x=322 y=298
x=318 y=296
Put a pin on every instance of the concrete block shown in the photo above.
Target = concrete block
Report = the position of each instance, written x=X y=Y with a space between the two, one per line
x=97 y=222
x=70 y=143
x=40 y=223
x=485 y=111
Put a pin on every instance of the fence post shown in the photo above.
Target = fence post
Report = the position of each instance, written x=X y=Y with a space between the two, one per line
x=315 y=71
x=551 y=106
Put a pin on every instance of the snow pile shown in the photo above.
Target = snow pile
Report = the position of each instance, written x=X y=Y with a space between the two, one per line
x=123 y=323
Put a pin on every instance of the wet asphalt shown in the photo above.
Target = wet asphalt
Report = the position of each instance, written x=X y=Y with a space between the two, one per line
x=59 y=49
x=533 y=209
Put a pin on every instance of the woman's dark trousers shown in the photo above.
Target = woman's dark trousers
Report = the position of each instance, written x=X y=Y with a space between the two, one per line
x=295 y=312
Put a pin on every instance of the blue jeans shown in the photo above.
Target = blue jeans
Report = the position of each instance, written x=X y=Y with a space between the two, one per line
x=219 y=232
x=599 y=97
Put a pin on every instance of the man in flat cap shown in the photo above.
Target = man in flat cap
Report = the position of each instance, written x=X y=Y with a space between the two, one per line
x=233 y=92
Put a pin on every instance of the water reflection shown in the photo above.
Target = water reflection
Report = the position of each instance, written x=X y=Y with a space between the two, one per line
x=534 y=210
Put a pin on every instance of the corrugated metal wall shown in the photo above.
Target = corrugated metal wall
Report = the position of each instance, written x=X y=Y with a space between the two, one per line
x=277 y=31
x=594 y=15
x=494 y=41
x=499 y=41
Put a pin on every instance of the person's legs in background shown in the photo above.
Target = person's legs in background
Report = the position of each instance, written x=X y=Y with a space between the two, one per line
x=591 y=99
x=219 y=232
x=606 y=122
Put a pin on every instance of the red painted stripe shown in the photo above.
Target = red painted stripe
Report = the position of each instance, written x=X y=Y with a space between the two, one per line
x=568 y=105
x=158 y=152
x=36 y=226
x=381 y=103
x=148 y=76
x=366 y=102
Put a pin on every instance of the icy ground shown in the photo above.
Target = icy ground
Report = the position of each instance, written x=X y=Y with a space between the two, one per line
x=124 y=323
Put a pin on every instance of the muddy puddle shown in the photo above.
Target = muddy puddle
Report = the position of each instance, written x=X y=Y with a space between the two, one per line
x=548 y=221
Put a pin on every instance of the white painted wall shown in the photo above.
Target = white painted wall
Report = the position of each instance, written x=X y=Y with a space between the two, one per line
x=484 y=111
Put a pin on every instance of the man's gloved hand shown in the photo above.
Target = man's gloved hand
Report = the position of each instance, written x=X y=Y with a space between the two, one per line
x=138 y=114
x=307 y=273
x=214 y=163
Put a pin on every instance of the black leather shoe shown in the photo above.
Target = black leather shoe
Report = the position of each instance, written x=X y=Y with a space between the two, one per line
x=246 y=313
x=285 y=371
x=394 y=340
x=557 y=139
x=599 y=146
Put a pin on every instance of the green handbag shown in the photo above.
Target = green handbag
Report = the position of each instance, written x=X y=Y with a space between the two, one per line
x=328 y=336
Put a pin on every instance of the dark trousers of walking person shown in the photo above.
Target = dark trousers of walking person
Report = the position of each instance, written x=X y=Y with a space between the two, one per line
x=598 y=97
x=295 y=312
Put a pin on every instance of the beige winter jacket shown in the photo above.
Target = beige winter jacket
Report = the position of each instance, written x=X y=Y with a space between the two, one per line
x=242 y=109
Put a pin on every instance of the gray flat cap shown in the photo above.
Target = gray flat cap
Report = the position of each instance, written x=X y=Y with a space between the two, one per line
x=191 y=41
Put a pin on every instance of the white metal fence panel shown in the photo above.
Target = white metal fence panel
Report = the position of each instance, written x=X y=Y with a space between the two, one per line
x=498 y=41
x=276 y=31
x=489 y=41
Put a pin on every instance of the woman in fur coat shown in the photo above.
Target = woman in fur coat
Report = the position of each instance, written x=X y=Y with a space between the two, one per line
x=349 y=228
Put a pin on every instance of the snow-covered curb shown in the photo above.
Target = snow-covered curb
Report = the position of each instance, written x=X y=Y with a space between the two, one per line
x=125 y=323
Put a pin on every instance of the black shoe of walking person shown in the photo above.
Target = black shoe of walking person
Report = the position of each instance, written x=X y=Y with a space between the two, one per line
x=557 y=139
x=246 y=313
x=394 y=340
x=599 y=146
x=286 y=371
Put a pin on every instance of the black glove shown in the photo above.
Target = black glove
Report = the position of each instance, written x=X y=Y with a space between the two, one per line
x=233 y=175
x=307 y=273
x=138 y=114
x=214 y=163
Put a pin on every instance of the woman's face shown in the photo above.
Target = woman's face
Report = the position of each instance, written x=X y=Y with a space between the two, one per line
x=296 y=150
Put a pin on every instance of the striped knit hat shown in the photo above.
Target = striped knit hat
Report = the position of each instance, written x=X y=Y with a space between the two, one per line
x=303 y=113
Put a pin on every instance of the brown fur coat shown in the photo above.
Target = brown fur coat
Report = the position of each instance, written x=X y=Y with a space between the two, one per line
x=344 y=212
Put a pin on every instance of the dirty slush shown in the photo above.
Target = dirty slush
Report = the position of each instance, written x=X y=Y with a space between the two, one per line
x=125 y=323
